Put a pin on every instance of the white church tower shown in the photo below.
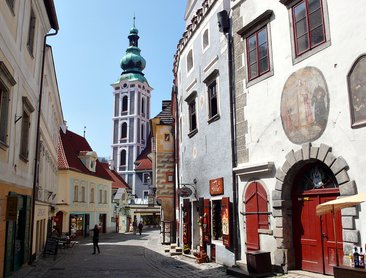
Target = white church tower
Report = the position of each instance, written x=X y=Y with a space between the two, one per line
x=131 y=112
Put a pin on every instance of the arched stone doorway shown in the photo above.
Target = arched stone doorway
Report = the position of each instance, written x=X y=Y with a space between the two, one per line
x=296 y=160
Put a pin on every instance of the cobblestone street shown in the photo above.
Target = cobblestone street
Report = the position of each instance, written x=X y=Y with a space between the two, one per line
x=126 y=255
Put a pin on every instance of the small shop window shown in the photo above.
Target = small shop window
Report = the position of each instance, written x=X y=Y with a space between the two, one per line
x=216 y=220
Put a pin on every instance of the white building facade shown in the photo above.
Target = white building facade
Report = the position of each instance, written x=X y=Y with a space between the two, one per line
x=300 y=88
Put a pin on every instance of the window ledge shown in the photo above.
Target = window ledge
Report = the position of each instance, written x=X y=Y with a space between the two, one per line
x=3 y=146
x=24 y=158
x=217 y=242
x=192 y=133
x=310 y=52
x=260 y=78
x=213 y=119
x=265 y=231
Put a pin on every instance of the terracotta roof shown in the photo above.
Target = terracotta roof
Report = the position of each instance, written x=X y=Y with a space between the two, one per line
x=71 y=144
x=143 y=162
x=118 y=181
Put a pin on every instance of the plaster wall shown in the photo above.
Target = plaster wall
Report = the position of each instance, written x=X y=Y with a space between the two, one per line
x=265 y=138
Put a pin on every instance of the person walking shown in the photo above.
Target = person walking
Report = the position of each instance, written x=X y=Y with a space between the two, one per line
x=140 y=227
x=95 y=238
x=134 y=226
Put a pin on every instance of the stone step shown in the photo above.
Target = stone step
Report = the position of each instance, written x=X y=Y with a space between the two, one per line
x=178 y=249
x=175 y=253
x=173 y=245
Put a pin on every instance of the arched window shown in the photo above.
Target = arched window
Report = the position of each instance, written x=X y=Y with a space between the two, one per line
x=256 y=213
x=124 y=131
x=123 y=158
x=143 y=107
x=124 y=105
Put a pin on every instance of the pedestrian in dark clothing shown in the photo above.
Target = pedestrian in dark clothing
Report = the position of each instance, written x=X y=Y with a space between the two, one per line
x=96 y=238
x=140 y=227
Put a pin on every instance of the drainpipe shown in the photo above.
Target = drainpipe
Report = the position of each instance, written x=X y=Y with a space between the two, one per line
x=176 y=160
x=36 y=157
x=225 y=27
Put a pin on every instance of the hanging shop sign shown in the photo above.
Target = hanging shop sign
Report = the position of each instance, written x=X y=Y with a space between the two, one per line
x=184 y=192
x=217 y=186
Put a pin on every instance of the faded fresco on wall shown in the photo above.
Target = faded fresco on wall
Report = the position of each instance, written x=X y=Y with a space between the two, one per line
x=357 y=92
x=305 y=105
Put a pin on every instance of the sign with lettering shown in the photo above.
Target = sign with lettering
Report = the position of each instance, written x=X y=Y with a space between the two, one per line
x=217 y=186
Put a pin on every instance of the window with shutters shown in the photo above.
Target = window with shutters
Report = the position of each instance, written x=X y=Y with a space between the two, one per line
x=26 y=124
x=4 y=111
x=6 y=83
x=216 y=220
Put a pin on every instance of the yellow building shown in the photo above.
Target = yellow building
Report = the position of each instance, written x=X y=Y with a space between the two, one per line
x=23 y=26
x=84 y=189
x=163 y=168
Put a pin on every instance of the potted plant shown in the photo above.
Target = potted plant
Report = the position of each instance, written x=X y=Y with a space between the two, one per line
x=186 y=249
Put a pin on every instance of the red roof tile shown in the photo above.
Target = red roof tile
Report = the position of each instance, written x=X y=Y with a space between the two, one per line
x=143 y=162
x=71 y=144
x=118 y=181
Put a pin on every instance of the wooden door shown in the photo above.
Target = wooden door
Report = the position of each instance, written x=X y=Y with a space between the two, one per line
x=314 y=238
x=307 y=234
x=256 y=214
x=329 y=240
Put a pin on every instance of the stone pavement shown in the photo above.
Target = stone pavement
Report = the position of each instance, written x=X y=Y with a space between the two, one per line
x=127 y=255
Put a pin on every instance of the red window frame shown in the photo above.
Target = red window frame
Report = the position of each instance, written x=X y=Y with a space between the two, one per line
x=260 y=71
x=308 y=31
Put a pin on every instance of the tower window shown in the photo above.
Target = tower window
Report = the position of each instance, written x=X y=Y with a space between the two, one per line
x=124 y=105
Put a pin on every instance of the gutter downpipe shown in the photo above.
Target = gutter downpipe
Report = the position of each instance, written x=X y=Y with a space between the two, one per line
x=176 y=160
x=233 y=140
x=36 y=158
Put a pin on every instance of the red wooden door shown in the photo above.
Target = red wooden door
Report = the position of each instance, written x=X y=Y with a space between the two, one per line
x=307 y=234
x=314 y=238
x=329 y=240
x=256 y=208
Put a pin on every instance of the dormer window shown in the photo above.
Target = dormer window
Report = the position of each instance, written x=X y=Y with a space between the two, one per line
x=89 y=159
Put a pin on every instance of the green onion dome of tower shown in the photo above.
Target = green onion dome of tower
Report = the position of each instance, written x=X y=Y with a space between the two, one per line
x=132 y=62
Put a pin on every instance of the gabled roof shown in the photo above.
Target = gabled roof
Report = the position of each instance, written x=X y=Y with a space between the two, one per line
x=118 y=181
x=165 y=115
x=69 y=148
x=143 y=162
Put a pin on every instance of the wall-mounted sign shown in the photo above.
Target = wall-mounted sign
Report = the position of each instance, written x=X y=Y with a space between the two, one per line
x=217 y=186
x=184 y=192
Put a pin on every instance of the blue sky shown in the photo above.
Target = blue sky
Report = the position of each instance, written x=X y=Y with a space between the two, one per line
x=89 y=46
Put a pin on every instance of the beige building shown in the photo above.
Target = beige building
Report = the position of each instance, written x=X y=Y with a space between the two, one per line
x=163 y=169
x=84 y=189
x=46 y=187
x=24 y=25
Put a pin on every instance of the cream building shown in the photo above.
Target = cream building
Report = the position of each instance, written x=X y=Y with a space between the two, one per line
x=84 y=188
x=46 y=187
x=23 y=26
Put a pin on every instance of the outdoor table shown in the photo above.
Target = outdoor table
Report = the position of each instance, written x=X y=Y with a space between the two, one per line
x=346 y=272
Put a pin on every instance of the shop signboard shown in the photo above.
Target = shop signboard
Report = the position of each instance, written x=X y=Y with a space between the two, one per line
x=217 y=186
